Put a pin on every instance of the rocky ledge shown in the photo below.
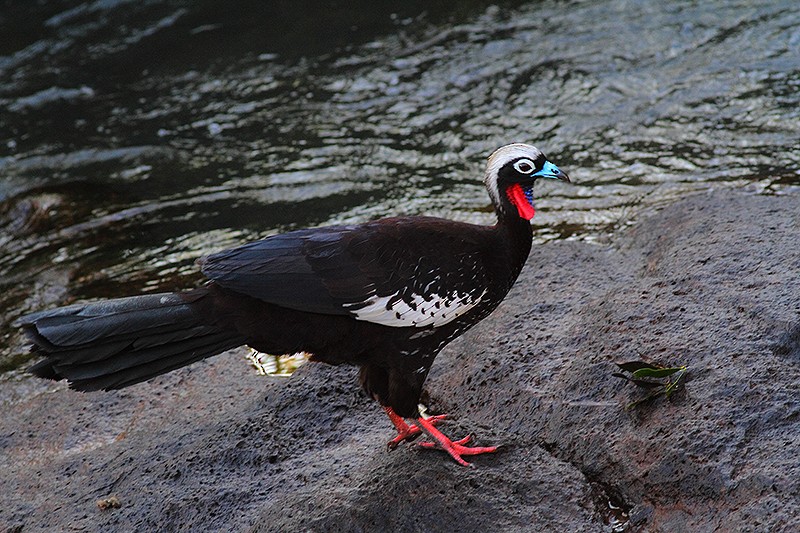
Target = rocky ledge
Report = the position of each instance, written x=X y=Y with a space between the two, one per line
x=711 y=282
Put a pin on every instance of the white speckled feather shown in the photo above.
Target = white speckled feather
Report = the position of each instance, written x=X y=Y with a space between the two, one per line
x=435 y=310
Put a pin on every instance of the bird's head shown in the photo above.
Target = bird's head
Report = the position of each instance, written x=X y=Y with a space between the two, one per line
x=510 y=174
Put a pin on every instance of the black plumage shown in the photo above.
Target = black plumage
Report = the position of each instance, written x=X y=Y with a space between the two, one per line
x=386 y=296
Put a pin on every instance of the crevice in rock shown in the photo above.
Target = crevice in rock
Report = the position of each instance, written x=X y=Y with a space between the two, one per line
x=610 y=505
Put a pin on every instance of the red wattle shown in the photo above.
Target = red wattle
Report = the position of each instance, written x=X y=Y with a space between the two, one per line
x=517 y=197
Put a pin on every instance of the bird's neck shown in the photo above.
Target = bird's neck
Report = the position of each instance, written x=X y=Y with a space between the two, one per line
x=518 y=233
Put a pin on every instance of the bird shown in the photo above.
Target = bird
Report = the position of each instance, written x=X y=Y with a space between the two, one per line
x=385 y=296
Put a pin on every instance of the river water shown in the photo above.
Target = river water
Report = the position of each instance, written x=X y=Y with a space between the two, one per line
x=137 y=136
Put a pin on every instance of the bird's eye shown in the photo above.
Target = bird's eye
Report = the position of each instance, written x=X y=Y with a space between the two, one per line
x=524 y=166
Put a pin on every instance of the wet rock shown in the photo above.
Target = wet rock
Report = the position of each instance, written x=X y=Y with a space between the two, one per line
x=710 y=282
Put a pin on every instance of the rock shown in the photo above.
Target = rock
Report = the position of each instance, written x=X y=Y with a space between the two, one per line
x=710 y=282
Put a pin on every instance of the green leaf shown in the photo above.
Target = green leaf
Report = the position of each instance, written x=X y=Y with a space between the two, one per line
x=651 y=376
x=657 y=372
x=639 y=382
x=633 y=366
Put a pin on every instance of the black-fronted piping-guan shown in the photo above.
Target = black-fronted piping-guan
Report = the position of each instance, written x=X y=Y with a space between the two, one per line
x=385 y=295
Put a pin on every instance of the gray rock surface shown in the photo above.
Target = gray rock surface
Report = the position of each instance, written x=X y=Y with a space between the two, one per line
x=712 y=282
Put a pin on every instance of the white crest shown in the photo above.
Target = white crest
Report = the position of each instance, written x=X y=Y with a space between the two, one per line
x=499 y=158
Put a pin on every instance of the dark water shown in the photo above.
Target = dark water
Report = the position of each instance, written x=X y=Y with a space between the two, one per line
x=137 y=136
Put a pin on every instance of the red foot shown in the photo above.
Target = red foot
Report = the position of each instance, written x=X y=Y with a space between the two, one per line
x=455 y=449
x=406 y=432
x=432 y=445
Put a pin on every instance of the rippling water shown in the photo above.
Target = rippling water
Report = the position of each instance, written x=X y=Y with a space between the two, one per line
x=137 y=136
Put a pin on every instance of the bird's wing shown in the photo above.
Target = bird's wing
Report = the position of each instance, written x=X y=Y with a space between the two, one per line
x=397 y=272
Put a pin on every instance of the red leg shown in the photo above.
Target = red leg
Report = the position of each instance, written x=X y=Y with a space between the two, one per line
x=455 y=449
x=405 y=431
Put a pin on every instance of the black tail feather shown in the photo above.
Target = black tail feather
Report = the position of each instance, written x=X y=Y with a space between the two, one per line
x=132 y=376
x=117 y=343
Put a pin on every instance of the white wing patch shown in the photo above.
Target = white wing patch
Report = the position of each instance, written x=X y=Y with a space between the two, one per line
x=435 y=310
